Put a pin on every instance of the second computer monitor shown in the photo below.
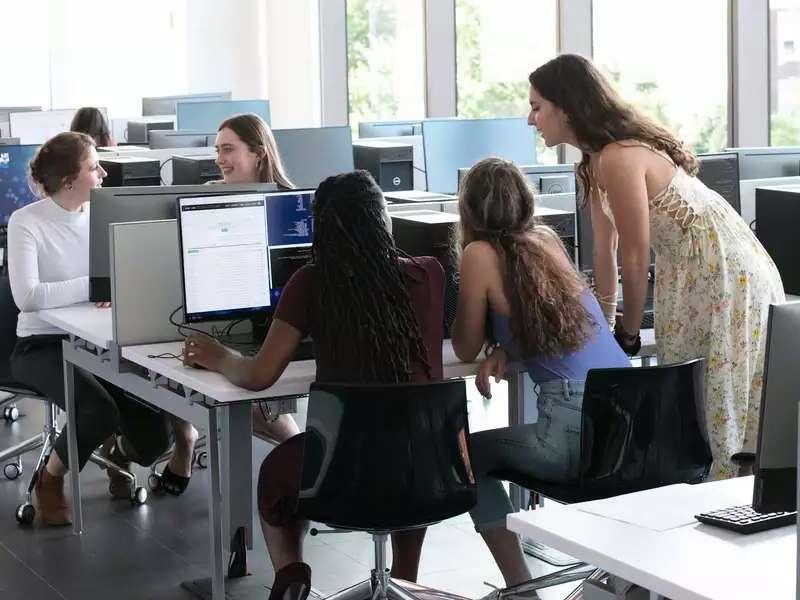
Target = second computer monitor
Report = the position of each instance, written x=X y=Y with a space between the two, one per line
x=14 y=189
x=239 y=250
x=310 y=155
x=763 y=163
x=373 y=129
x=158 y=139
x=167 y=105
x=451 y=144
x=207 y=116
x=720 y=172
x=36 y=127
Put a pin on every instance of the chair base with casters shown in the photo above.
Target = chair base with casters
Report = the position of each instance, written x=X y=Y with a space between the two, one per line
x=10 y=409
x=25 y=513
x=199 y=460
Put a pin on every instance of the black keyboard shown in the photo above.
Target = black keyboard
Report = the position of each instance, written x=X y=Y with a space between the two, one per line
x=743 y=519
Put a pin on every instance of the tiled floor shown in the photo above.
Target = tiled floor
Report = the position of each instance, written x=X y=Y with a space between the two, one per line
x=145 y=552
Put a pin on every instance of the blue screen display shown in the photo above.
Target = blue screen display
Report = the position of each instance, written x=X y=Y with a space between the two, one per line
x=207 y=116
x=290 y=228
x=14 y=189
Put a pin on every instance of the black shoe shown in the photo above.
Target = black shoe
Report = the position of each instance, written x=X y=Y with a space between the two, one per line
x=292 y=582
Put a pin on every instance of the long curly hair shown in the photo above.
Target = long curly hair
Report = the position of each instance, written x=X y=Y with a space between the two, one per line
x=368 y=312
x=496 y=205
x=598 y=115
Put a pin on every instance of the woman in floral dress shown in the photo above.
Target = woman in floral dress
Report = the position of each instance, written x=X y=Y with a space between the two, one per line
x=714 y=280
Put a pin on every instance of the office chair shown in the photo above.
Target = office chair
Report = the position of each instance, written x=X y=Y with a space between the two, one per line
x=384 y=458
x=641 y=428
x=25 y=512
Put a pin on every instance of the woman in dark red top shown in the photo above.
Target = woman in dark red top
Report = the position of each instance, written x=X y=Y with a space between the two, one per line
x=374 y=317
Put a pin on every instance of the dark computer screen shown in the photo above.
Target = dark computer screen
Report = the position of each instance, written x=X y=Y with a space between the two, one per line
x=775 y=470
x=207 y=116
x=766 y=163
x=310 y=155
x=239 y=250
x=14 y=189
x=167 y=105
x=720 y=172
x=372 y=129
x=451 y=144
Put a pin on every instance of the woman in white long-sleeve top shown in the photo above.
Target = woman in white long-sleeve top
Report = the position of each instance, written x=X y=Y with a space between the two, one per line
x=48 y=247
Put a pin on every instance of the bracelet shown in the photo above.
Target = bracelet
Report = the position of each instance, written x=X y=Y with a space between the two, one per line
x=630 y=344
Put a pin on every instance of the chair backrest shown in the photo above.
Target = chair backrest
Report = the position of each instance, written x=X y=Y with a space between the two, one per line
x=644 y=427
x=8 y=330
x=386 y=457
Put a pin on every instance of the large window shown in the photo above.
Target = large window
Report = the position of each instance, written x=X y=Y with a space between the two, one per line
x=497 y=45
x=784 y=75
x=385 y=60
x=671 y=60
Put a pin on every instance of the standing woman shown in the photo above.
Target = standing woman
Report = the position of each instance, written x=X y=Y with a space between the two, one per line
x=90 y=120
x=714 y=280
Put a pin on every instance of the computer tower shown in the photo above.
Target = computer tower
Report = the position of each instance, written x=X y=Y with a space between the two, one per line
x=138 y=130
x=192 y=170
x=131 y=170
x=391 y=163
x=777 y=216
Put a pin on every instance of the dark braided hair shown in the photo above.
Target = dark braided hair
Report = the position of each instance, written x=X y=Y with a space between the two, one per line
x=364 y=304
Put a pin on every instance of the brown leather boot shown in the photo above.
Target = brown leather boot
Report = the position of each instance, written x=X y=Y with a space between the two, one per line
x=51 y=502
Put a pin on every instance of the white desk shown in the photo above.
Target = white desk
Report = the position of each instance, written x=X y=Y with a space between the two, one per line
x=206 y=399
x=688 y=562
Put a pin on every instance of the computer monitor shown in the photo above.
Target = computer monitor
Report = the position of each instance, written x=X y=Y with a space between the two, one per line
x=761 y=163
x=310 y=155
x=14 y=189
x=373 y=129
x=720 y=172
x=775 y=468
x=136 y=203
x=239 y=250
x=207 y=116
x=9 y=141
x=36 y=127
x=181 y=139
x=5 y=111
x=451 y=144
x=167 y=105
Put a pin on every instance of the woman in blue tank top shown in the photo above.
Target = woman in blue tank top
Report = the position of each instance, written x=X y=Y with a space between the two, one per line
x=516 y=276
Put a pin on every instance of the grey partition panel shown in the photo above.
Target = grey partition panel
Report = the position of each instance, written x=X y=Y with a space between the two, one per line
x=145 y=281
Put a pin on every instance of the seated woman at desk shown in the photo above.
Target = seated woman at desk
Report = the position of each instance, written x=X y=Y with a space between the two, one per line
x=516 y=275
x=48 y=247
x=247 y=152
x=356 y=265
x=90 y=120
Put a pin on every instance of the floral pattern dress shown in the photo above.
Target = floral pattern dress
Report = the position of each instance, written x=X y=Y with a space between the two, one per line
x=714 y=284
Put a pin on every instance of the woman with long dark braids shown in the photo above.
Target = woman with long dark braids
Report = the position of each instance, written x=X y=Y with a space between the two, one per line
x=542 y=312
x=374 y=317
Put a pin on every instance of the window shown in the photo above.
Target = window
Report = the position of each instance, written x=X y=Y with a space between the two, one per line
x=784 y=74
x=385 y=60
x=670 y=60
x=498 y=44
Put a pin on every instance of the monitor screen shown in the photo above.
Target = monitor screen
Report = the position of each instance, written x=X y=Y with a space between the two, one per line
x=451 y=144
x=764 y=163
x=5 y=111
x=372 y=129
x=167 y=105
x=775 y=467
x=36 y=127
x=14 y=189
x=720 y=172
x=158 y=139
x=310 y=155
x=239 y=250
x=146 y=203
x=207 y=116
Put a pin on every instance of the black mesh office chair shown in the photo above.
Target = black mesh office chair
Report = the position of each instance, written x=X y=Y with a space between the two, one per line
x=8 y=337
x=642 y=428
x=25 y=512
x=384 y=458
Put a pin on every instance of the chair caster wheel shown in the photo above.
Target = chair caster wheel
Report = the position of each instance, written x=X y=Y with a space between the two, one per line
x=154 y=482
x=12 y=470
x=139 y=496
x=25 y=514
x=11 y=413
x=202 y=459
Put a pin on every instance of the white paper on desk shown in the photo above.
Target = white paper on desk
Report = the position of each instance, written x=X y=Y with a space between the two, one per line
x=658 y=509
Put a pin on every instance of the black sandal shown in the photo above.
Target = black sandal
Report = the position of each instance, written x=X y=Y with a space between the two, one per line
x=292 y=582
x=172 y=483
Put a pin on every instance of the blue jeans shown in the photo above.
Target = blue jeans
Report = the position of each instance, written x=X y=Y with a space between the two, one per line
x=548 y=449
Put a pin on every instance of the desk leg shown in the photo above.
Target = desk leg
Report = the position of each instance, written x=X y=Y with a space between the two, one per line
x=214 y=509
x=516 y=416
x=72 y=445
x=237 y=458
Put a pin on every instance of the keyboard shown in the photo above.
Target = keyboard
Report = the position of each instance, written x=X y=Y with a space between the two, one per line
x=743 y=519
